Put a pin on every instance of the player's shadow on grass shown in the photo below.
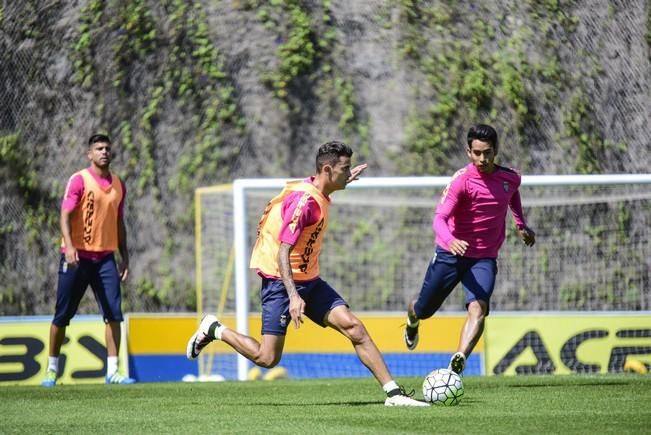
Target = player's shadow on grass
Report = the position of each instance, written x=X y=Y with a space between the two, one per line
x=581 y=384
x=465 y=401
x=337 y=403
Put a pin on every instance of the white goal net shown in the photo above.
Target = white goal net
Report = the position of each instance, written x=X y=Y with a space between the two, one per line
x=592 y=252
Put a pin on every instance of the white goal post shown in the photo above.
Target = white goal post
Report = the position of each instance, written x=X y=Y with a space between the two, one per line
x=241 y=219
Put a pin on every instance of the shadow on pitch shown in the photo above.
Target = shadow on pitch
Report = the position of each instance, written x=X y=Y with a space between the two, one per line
x=338 y=403
x=582 y=384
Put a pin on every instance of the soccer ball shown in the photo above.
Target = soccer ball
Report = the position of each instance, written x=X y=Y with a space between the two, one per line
x=443 y=387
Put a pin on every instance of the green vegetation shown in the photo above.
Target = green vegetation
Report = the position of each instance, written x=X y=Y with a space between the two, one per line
x=429 y=137
x=491 y=405
x=203 y=82
x=188 y=73
x=591 y=149
x=36 y=201
x=485 y=77
x=648 y=30
x=158 y=77
x=309 y=68
x=90 y=19
x=13 y=160
x=297 y=53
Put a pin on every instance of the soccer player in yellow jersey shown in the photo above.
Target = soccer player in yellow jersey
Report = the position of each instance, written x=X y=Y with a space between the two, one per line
x=286 y=256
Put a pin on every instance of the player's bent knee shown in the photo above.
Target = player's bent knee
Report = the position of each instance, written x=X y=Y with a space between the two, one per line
x=477 y=308
x=357 y=332
x=267 y=361
x=267 y=365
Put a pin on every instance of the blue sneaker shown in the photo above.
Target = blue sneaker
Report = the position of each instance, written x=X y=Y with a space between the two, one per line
x=50 y=379
x=117 y=378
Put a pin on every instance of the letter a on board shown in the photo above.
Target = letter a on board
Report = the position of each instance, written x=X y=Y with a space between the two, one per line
x=532 y=340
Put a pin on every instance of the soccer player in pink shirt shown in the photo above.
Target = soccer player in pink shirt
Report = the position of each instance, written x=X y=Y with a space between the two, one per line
x=470 y=227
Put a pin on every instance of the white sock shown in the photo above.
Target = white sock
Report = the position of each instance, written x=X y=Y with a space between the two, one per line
x=111 y=365
x=53 y=364
x=390 y=386
x=218 y=331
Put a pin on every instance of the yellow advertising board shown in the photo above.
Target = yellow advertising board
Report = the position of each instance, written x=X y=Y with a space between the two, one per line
x=24 y=351
x=440 y=334
x=157 y=345
x=558 y=343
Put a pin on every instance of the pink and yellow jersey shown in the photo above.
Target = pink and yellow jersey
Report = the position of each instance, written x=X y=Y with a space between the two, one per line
x=297 y=216
x=473 y=208
x=95 y=204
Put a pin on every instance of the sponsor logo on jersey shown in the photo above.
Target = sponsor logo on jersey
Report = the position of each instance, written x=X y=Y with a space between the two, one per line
x=298 y=211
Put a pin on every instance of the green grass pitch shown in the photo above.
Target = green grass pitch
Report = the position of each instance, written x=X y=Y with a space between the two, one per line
x=525 y=404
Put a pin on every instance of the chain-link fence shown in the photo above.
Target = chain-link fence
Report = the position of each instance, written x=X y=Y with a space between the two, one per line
x=592 y=250
x=201 y=92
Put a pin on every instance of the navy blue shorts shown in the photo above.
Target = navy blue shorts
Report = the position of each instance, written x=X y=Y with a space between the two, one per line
x=103 y=278
x=445 y=271
x=319 y=299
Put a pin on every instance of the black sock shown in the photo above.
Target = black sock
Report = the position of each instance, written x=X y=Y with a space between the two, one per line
x=212 y=328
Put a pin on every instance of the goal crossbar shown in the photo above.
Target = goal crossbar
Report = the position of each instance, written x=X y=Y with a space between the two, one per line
x=240 y=186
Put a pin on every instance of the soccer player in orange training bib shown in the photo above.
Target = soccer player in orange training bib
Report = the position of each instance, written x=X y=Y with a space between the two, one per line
x=469 y=224
x=286 y=256
x=92 y=229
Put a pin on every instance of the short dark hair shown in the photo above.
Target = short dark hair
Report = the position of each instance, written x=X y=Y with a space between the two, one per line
x=97 y=138
x=330 y=152
x=484 y=133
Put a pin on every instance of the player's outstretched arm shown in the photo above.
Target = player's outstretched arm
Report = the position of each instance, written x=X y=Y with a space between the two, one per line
x=356 y=172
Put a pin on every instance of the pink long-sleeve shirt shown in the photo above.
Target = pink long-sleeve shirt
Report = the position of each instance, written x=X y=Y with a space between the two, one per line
x=473 y=208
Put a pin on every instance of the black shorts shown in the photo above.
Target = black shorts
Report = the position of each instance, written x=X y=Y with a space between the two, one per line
x=319 y=299
x=103 y=278
x=445 y=271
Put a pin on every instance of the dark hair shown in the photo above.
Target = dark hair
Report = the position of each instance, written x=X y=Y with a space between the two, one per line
x=97 y=138
x=484 y=133
x=330 y=152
